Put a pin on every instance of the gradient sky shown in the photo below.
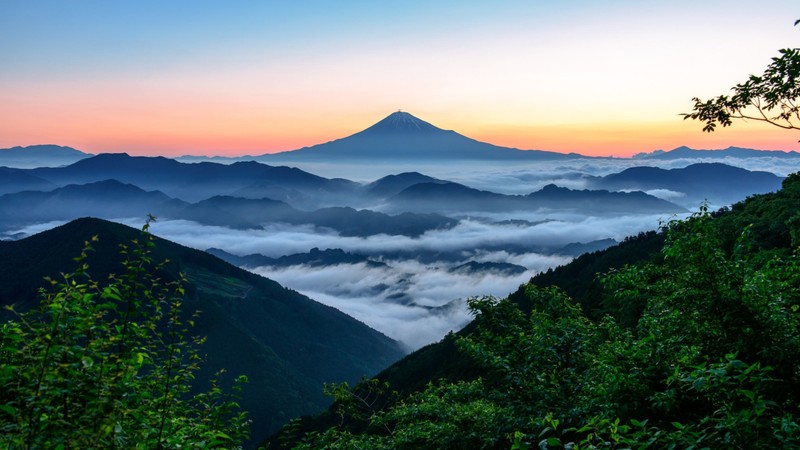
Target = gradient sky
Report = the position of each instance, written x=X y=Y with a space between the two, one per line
x=236 y=77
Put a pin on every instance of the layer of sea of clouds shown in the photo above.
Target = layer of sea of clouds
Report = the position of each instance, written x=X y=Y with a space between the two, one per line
x=409 y=300
x=276 y=240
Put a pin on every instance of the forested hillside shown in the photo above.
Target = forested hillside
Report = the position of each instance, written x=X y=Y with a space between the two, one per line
x=685 y=338
x=286 y=344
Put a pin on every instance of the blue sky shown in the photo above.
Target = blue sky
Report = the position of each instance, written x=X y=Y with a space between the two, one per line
x=177 y=77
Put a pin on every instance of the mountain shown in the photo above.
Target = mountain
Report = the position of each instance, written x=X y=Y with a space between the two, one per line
x=403 y=137
x=314 y=258
x=600 y=202
x=454 y=197
x=249 y=213
x=730 y=152
x=393 y=184
x=451 y=197
x=192 y=182
x=107 y=199
x=484 y=268
x=718 y=183
x=40 y=156
x=579 y=248
x=15 y=180
x=112 y=199
x=287 y=344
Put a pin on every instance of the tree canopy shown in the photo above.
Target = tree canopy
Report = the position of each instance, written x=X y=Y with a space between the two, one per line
x=773 y=97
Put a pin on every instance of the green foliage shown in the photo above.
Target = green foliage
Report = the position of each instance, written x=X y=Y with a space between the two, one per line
x=447 y=415
x=542 y=356
x=772 y=97
x=738 y=415
x=108 y=366
x=579 y=280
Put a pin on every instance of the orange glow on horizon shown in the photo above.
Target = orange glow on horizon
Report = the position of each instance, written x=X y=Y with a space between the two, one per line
x=615 y=139
x=625 y=140
x=179 y=123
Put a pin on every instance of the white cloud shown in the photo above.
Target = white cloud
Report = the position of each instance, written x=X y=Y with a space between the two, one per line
x=665 y=194
x=414 y=302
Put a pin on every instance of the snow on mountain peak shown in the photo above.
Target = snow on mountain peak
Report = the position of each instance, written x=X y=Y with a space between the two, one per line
x=402 y=122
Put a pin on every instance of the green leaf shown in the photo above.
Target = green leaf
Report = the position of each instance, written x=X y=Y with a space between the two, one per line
x=8 y=409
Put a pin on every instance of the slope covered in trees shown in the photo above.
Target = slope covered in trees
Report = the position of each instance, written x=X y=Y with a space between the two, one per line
x=696 y=344
x=285 y=343
x=110 y=365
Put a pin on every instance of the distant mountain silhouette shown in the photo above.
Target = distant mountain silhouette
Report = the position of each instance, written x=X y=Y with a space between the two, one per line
x=403 y=137
x=483 y=268
x=15 y=180
x=600 y=201
x=430 y=196
x=733 y=152
x=579 y=248
x=107 y=199
x=249 y=213
x=287 y=344
x=191 y=182
x=393 y=184
x=314 y=258
x=718 y=183
x=112 y=199
x=247 y=261
x=454 y=197
x=40 y=156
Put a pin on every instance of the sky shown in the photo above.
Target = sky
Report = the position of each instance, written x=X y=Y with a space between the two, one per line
x=252 y=77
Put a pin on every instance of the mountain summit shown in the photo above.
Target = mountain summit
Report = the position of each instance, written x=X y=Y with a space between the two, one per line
x=401 y=122
x=403 y=138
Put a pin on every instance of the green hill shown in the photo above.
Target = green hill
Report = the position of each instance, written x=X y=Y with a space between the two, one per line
x=287 y=344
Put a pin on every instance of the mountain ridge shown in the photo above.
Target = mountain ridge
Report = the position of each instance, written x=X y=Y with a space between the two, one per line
x=42 y=155
x=732 y=152
x=113 y=199
x=714 y=182
x=449 y=196
x=190 y=181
